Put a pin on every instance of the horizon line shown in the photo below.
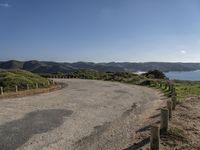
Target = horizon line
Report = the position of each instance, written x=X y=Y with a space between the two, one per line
x=96 y=62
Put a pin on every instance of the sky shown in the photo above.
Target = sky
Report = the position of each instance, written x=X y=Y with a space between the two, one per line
x=100 y=30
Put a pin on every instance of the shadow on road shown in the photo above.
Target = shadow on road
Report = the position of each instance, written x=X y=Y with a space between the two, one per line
x=138 y=145
x=145 y=128
x=16 y=133
x=143 y=142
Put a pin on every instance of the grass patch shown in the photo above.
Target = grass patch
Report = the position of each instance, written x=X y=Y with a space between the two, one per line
x=176 y=131
x=164 y=89
x=185 y=89
x=177 y=134
x=8 y=79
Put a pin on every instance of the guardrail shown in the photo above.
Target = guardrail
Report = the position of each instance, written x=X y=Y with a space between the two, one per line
x=16 y=88
x=165 y=117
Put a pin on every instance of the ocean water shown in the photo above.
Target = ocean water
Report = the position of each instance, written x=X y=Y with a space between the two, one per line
x=184 y=75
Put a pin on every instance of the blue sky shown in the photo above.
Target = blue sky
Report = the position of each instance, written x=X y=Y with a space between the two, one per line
x=100 y=30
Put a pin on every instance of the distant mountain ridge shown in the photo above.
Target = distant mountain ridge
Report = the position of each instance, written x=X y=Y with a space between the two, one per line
x=53 y=67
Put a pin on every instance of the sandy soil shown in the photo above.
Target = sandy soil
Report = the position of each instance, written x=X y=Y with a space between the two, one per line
x=186 y=127
x=84 y=115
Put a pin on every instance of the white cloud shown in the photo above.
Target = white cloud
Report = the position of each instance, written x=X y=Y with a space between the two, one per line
x=6 y=5
x=183 y=52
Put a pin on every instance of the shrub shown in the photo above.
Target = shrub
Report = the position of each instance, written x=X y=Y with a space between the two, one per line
x=8 y=79
x=155 y=74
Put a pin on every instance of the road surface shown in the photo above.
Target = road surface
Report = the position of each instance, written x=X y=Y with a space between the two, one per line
x=86 y=114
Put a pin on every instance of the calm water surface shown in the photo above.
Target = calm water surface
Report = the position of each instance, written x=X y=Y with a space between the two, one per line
x=184 y=75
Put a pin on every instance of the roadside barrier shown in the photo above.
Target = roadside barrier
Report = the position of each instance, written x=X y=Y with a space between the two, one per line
x=166 y=86
x=16 y=88
x=174 y=102
x=36 y=85
x=165 y=117
x=164 y=120
x=169 y=107
x=1 y=90
x=27 y=87
x=155 y=138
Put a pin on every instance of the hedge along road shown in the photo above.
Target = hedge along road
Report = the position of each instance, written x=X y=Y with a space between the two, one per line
x=79 y=116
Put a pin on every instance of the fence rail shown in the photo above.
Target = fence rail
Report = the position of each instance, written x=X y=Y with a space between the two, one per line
x=166 y=116
x=16 y=88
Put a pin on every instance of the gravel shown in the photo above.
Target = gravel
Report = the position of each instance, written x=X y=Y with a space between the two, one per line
x=84 y=115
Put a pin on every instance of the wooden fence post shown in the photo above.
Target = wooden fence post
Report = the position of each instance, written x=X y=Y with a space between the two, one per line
x=36 y=85
x=155 y=138
x=27 y=87
x=165 y=86
x=48 y=83
x=1 y=90
x=164 y=120
x=16 y=88
x=169 y=107
x=160 y=84
x=170 y=87
x=174 y=102
x=173 y=91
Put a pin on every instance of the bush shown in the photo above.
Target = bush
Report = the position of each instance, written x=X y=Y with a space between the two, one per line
x=8 y=79
x=155 y=74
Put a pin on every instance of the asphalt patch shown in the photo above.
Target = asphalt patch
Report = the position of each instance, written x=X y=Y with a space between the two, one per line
x=16 y=133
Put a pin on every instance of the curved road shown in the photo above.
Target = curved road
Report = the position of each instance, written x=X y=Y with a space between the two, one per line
x=85 y=115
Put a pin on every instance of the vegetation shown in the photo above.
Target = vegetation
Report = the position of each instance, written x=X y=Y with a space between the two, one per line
x=183 y=88
x=187 y=88
x=155 y=74
x=53 y=67
x=126 y=77
x=152 y=79
x=177 y=133
x=8 y=79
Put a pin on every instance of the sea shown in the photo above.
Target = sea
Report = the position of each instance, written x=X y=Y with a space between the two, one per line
x=184 y=75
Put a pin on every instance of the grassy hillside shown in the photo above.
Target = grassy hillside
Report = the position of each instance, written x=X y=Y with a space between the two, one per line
x=8 y=79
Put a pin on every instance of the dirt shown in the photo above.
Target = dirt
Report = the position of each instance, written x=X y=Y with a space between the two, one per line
x=86 y=114
x=184 y=129
x=185 y=126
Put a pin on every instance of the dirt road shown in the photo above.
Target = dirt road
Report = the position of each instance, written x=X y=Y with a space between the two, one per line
x=84 y=115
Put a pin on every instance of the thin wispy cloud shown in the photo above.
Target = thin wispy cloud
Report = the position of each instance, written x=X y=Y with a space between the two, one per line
x=5 y=5
x=183 y=52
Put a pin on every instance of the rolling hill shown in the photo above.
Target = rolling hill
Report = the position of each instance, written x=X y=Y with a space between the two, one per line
x=52 y=67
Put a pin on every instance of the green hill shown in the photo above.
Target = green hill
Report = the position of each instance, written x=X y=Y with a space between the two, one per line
x=12 y=64
x=8 y=79
x=45 y=67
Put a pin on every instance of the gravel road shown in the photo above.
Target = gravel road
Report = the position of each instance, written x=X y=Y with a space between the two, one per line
x=86 y=114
